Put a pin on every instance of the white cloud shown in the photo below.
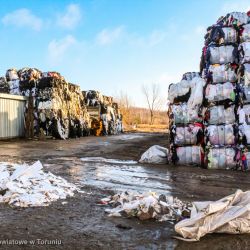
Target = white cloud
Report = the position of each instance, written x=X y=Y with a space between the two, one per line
x=23 y=18
x=230 y=6
x=70 y=18
x=156 y=37
x=108 y=36
x=58 y=48
x=152 y=39
x=200 y=30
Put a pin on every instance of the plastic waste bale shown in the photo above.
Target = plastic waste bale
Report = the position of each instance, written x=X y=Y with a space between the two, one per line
x=221 y=134
x=220 y=115
x=222 y=54
x=244 y=52
x=220 y=92
x=221 y=158
x=244 y=92
x=155 y=154
x=191 y=134
x=222 y=73
x=244 y=114
x=244 y=131
x=189 y=155
x=182 y=114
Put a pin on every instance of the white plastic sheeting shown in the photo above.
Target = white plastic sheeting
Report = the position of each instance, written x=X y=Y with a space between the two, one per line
x=179 y=89
x=230 y=214
x=196 y=96
x=155 y=154
x=28 y=186
x=183 y=87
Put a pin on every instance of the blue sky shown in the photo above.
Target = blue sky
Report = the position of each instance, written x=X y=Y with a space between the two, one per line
x=109 y=45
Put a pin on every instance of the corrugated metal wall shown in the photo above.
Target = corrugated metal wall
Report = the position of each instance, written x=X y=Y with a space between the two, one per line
x=11 y=116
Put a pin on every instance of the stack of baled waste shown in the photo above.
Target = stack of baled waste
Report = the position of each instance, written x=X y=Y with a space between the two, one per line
x=111 y=118
x=244 y=87
x=56 y=107
x=52 y=105
x=220 y=64
x=224 y=109
x=61 y=109
x=185 y=113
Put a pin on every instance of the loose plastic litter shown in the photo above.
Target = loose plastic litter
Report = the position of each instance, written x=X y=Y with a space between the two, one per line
x=147 y=206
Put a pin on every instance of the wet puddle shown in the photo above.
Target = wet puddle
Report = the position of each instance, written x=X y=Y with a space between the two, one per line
x=126 y=137
x=105 y=160
x=119 y=175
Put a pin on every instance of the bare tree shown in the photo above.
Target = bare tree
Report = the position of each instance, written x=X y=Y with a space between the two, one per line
x=152 y=96
x=125 y=104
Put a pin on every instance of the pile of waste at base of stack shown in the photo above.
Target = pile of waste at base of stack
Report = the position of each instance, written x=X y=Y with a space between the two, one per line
x=228 y=215
x=155 y=154
x=147 y=206
x=110 y=120
x=25 y=185
x=210 y=125
x=58 y=108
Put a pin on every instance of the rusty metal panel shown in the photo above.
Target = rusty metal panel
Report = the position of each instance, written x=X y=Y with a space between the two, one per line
x=12 y=116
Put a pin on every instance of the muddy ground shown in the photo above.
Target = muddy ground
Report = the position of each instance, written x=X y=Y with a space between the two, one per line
x=82 y=223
